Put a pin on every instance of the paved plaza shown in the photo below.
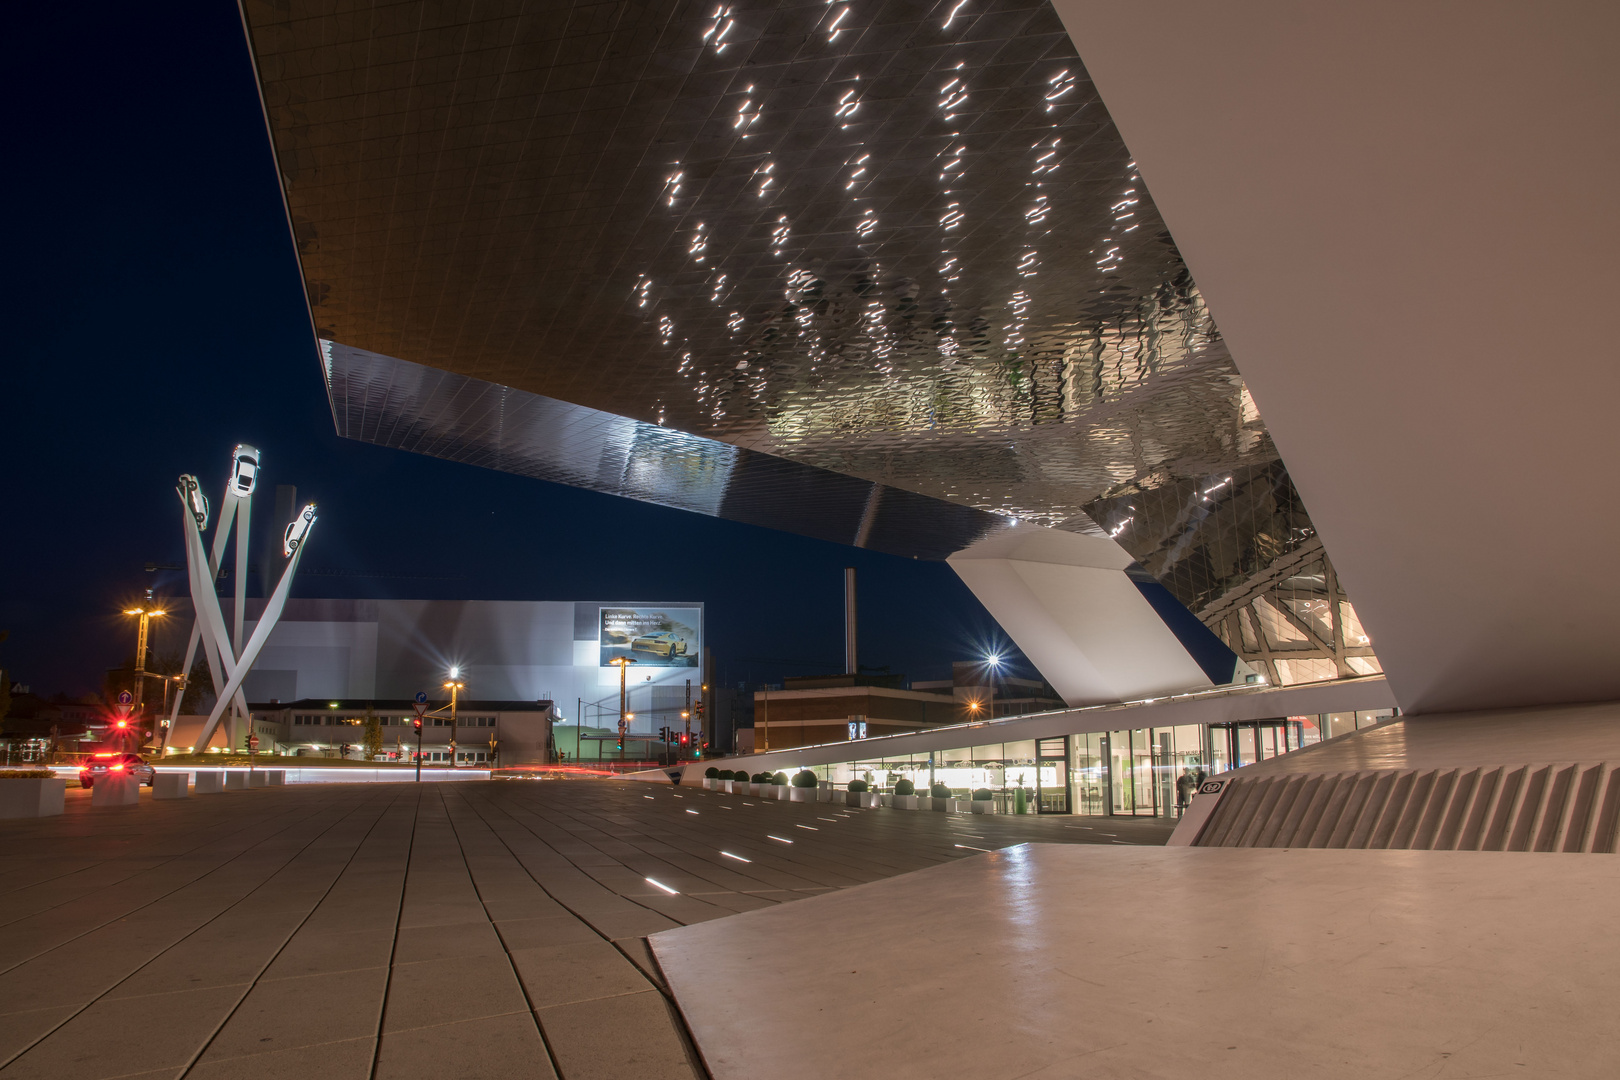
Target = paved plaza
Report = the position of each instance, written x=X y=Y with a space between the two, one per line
x=402 y=930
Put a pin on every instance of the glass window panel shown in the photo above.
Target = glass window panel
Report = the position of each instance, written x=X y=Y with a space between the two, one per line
x=1354 y=635
x=1364 y=665
x=1314 y=613
x=1306 y=670
x=1279 y=631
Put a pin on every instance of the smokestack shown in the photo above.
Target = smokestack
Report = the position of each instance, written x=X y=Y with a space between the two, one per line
x=851 y=667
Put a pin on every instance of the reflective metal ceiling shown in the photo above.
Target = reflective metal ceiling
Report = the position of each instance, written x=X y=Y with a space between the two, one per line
x=895 y=241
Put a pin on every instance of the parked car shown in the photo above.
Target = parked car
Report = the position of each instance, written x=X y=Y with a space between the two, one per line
x=111 y=764
x=244 y=470
x=297 y=530
x=663 y=643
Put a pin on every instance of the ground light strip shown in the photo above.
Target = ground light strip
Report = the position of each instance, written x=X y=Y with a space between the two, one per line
x=812 y=828
x=660 y=885
x=768 y=836
x=970 y=847
x=739 y=858
x=691 y=811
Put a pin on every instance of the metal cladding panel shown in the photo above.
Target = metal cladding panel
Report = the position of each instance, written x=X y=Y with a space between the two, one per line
x=766 y=245
x=396 y=403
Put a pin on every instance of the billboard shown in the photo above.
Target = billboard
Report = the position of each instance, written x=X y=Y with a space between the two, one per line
x=651 y=636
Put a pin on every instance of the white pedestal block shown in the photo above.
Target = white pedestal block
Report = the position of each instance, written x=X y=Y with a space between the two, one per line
x=36 y=797
x=275 y=777
x=171 y=785
x=903 y=802
x=258 y=778
x=209 y=782
x=803 y=794
x=984 y=806
x=115 y=790
x=236 y=781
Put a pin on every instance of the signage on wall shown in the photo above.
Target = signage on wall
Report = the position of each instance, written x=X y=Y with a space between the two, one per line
x=651 y=636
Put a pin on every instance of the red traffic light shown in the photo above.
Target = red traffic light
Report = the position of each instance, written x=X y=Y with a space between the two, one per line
x=122 y=724
x=686 y=737
x=417 y=723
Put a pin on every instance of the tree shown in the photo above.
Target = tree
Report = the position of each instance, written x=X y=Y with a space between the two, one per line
x=372 y=739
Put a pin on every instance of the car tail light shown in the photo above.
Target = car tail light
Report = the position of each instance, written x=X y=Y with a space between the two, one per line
x=117 y=768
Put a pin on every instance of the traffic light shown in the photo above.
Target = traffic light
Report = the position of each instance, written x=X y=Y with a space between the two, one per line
x=417 y=725
x=686 y=737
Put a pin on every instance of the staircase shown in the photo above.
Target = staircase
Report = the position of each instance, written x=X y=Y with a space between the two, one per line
x=1555 y=807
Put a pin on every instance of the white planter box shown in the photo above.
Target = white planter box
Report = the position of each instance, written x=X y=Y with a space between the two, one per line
x=171 y=785
x=710 y=783
x=39 y=797
x=903 y=802
x=852 y=798
x=236 y=781
x=725 y=785
x=209 y=782
x=256 y=778
x=958 y=806
x=122 y=790
x=983 y=806
x=870 y=800
x=275 y=777
x=779 y=792
x=826 y=794
x=803 y=794
x=941 y=805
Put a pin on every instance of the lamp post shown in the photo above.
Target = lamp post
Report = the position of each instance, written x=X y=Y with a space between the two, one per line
x=455 y=686
x=146 y=614
x=623 y=664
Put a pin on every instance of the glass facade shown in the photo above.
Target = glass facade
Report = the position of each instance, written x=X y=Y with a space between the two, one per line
x=1133 y=772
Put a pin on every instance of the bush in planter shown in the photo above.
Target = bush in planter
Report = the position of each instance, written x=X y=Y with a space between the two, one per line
x=858 y=786
x=780 y=779
x=711 y=773
x=26 y=774
x=904 y=787
x=940 y=791
x=726 y=774
x=983 y=794
x=804 y=778
x=760 y=778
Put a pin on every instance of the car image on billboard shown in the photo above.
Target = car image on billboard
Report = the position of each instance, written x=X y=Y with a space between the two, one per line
x=651 y=636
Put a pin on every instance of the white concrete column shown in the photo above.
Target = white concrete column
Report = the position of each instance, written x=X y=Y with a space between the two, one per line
x=1065 y=600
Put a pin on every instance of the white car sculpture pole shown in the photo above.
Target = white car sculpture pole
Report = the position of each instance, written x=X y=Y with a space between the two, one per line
x=293 y=544
x=222 y=533
x=211 y=623
x=244 y=478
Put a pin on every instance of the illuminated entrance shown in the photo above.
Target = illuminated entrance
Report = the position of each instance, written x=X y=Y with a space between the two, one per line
x=1052 y=775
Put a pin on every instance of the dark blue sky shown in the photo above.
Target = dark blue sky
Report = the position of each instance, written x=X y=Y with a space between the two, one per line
x=154 y=318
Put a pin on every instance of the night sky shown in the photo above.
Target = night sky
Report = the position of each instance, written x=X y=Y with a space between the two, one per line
x=155 y=318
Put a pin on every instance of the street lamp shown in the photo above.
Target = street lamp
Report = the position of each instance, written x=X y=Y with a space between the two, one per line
x=146 y=615
x=455 y=686
x=623 y=664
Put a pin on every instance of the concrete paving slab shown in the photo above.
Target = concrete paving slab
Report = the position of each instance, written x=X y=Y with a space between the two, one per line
x=312 y=1009
x=1434 y=964
x=646 y=1043
x=112 y=1039
x=346 y=1060
x=580 y=972
x=436 y=992
x=492 y=1048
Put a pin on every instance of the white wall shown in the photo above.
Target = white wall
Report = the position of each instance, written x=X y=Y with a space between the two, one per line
x=1404 y=218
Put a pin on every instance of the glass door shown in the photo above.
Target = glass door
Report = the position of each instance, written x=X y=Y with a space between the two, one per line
x=1131 y=772
x=1052 y=775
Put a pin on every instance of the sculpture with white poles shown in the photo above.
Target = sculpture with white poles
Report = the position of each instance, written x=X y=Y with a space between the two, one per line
x=229 y=659
x=236 y=504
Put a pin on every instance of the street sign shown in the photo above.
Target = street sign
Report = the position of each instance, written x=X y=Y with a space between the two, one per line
x=253 y=742
x=125 y=697
x=420 y=707
x=421 y=699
